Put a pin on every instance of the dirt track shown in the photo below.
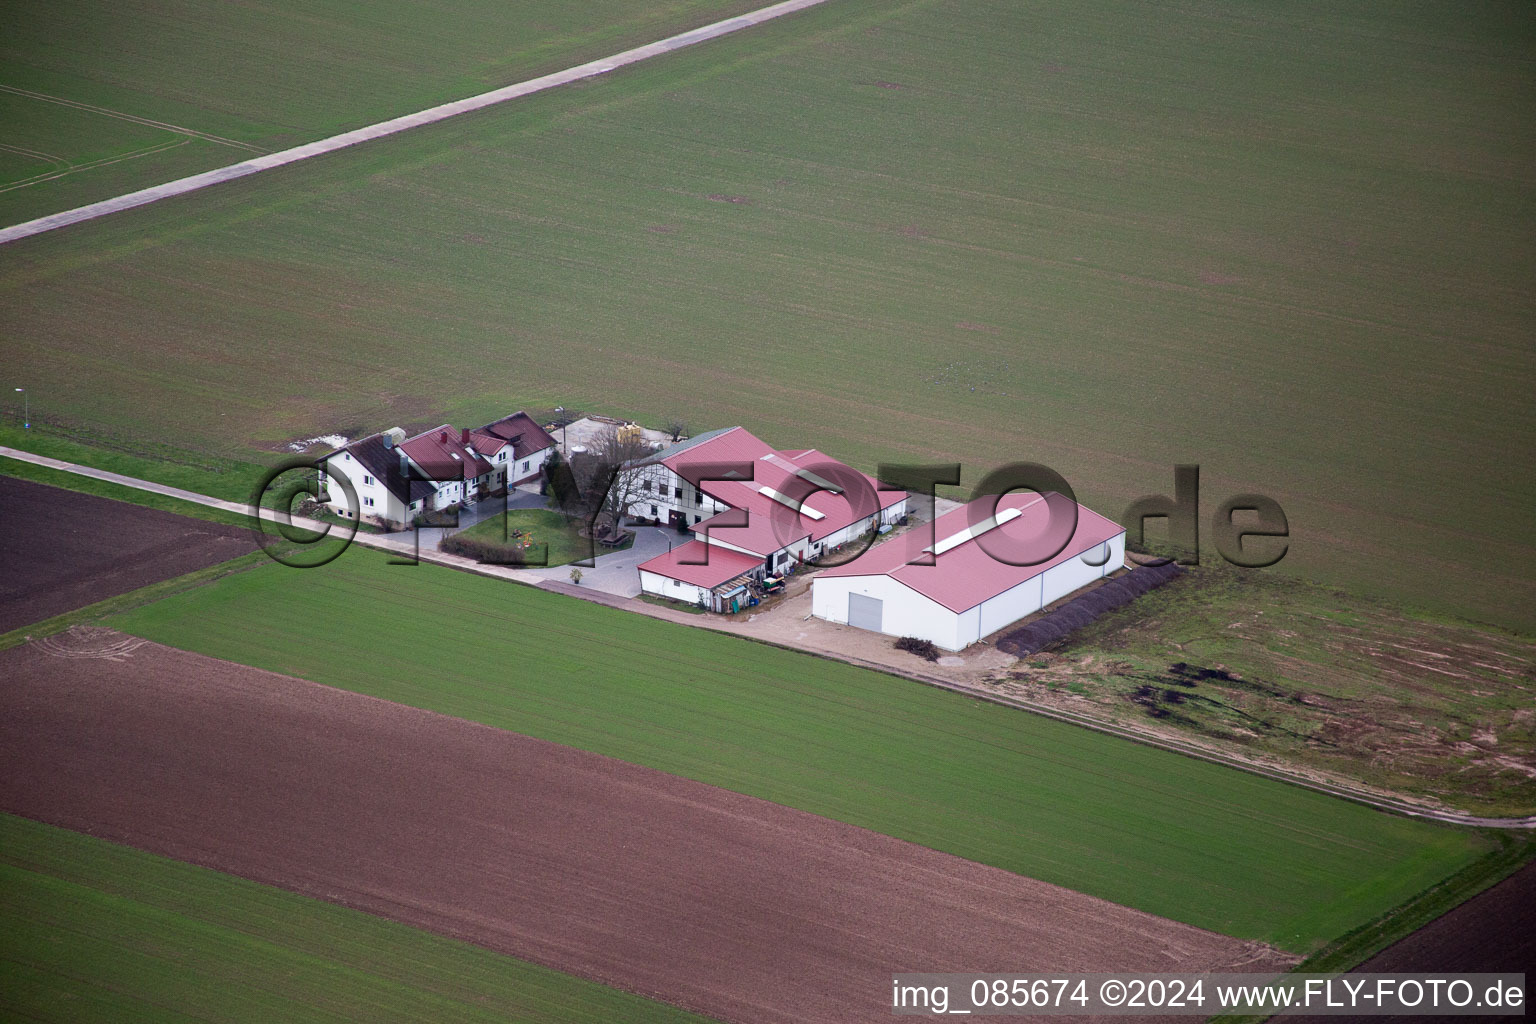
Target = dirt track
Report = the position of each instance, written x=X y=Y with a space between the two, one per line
x=722 y=903
x=63 y=550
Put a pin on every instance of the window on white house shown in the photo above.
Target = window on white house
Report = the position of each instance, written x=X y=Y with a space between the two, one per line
x=367 y=479
x=525 y=466
x=697 y=518
x=653 y=511
x=677 y=492
x=368 y=502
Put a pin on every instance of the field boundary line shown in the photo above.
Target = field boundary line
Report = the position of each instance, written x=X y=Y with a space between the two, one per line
x=136 y=119
x=66 y=171
x=634 y=606
x=432 y=115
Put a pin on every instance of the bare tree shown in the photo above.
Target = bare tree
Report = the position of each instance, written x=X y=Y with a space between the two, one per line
x=609 y=476
x=676 y=429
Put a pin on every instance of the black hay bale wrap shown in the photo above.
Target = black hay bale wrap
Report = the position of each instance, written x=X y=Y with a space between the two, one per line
x=1080 y=611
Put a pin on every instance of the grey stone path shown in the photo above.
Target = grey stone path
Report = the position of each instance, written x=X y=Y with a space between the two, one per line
x=591 y=69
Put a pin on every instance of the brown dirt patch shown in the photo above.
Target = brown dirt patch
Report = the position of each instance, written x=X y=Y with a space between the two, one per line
x=63 y=550
x=722 y=903
x=718 y=198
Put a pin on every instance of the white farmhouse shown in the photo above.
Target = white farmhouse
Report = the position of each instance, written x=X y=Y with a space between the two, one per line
x=380 y=475
x=515 y=446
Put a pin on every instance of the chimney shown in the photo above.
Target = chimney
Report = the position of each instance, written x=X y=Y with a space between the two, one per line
x=464 y=436
x=389 y=441
x=405 y=466
x=442 y=437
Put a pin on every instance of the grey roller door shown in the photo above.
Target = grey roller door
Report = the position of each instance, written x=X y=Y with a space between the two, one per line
x=864 y=612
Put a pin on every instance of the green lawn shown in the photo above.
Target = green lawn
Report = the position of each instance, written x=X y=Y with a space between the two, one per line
x=1186 y=839
x=555 y=539
x=269 y=77
x=93 y=931
x=1292 y=242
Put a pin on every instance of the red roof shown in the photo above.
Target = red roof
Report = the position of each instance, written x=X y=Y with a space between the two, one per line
x=967 y=574
x=442 y=457
x=724 y=564
x=519 y=430
x=773 y=524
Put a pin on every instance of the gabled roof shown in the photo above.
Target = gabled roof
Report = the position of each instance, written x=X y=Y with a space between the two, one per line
x=443 y=457
x=666 y=454
x=965 y=573
x=780 y=495
x=383 y=463
x=519 y=430
x=724 y=564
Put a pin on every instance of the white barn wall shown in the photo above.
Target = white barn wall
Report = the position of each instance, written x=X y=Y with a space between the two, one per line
x=677 y=590
x=1008 y=607
x=666 y=500
x=904 y=611
x=1074 y=573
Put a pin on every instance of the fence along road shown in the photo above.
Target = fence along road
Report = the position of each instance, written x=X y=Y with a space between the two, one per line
x=591 y=69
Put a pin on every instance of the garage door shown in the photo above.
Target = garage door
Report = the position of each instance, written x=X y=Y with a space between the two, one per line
x=864 y=612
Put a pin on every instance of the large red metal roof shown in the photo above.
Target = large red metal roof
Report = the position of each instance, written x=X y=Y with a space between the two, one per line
x=967 y=574
x=724 y=564
x=773 y=524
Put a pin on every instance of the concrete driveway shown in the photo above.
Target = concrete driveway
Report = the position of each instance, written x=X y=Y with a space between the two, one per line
x=615 y=573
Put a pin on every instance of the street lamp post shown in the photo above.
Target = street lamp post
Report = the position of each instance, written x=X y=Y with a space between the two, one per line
x=26 y=405
x=560 y=412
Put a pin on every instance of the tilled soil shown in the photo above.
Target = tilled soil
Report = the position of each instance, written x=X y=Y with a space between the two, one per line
x=62 y=550
x=722 y=903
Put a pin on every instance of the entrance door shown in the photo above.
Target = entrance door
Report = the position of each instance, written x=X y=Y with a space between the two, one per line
x=865 y=612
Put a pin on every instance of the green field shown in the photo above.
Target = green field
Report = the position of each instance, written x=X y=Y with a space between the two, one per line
x=1292 y=243
x=93 y=931
x=1178 y=837
x=263 y=78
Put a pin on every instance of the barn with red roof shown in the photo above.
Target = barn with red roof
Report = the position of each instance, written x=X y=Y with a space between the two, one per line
x=978 y=569
x=753 y=511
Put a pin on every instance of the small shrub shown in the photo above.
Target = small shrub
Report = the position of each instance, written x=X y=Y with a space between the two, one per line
x=922 y=648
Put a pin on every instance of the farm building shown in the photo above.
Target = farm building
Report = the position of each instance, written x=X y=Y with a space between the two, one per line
x=388 y=493
x=399 y=478
x=789 y=507
x=516 y=448
x=955 y=584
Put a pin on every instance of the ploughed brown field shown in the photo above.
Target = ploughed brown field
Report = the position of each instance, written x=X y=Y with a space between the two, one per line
x=721 y=903
x=63 y=550
x=1493 y=931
